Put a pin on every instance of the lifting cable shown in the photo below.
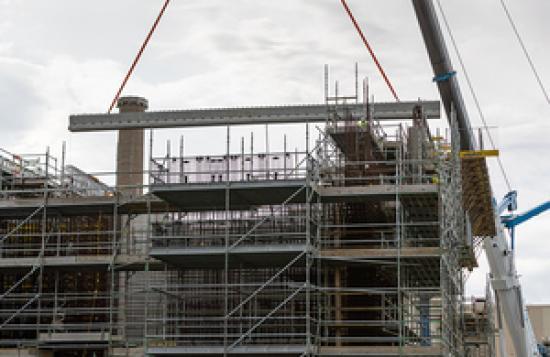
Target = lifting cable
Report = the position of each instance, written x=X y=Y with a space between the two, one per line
x=472 y=91
x=369 y=48
x=138 y=56
x=525 y=52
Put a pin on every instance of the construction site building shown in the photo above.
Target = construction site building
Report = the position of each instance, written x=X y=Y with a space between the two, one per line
x=356 y=245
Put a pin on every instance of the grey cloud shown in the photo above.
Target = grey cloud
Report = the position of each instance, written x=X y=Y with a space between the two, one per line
x=20 y=101
x=241 y=52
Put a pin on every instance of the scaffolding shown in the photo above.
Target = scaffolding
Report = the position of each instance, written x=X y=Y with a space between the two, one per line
x=354 y=245
x=62 y=232
x=363 y=255
x=479 y=326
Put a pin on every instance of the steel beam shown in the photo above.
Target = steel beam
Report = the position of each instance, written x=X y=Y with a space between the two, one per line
x=243 y=116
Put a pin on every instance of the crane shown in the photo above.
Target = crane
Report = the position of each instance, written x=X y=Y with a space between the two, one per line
x=500 y=256
x=511 y=221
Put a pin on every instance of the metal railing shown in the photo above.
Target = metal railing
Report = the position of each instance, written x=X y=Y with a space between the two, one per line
x=262 y=228
x=233 y=168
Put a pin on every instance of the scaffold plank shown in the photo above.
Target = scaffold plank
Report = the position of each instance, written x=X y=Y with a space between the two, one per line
x=382 y=351
x=258 y=350
x=373 y=253
x=213 y=257
x=243 y=194
x=75 y=206
x=360 y=193
x=93 y=262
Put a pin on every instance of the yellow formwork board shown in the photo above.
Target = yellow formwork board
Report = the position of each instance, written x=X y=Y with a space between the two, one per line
x=466 y=154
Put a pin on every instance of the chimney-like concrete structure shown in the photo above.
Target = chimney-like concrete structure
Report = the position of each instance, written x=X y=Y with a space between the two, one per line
x=129 y=163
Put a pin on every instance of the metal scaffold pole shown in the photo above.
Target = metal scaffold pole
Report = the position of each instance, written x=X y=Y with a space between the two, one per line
x=226 y=242
x=112 y=269
x=399 y=237
x=43 y=243
x=308 y=243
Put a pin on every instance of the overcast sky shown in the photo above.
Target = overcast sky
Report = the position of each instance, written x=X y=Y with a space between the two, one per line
x=62 y=57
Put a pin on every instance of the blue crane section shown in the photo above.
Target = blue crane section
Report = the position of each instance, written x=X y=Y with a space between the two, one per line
x=512 y=220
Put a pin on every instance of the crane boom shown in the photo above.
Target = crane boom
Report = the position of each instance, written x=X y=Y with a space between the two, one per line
x=447 y=82
x=504 y=278
x=505 y=283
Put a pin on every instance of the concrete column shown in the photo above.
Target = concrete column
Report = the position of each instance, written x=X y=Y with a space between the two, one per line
x=129 y=179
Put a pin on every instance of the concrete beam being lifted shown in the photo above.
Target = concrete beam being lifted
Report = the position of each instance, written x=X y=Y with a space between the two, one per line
x=291 y=114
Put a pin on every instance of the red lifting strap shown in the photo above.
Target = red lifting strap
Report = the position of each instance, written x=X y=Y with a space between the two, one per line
x=382 y=72
x=138 y=56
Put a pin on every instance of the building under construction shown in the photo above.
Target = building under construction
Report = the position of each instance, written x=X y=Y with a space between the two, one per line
x=356 y=244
